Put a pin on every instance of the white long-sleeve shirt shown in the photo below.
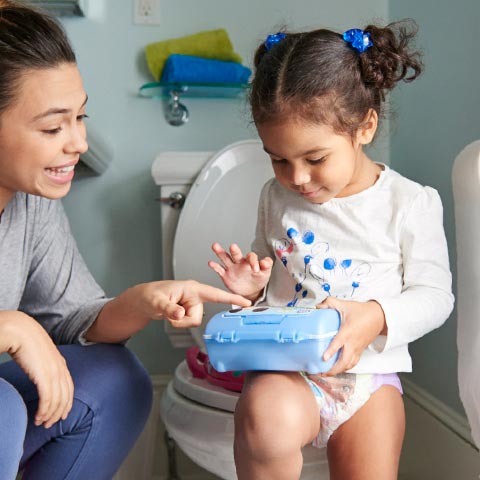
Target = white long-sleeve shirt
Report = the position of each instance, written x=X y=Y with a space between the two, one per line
x=386 y=243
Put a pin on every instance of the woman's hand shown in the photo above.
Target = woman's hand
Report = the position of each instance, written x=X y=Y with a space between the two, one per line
x=30 y=346
x=247 y=275
x=178 y=301
x=362 y=322
x=181 y=302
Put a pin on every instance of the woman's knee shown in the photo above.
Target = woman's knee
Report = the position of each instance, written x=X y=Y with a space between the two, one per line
x=107 y=374
x=13 y=421
x=133 y=383
x=125 y=372
x=13 y=414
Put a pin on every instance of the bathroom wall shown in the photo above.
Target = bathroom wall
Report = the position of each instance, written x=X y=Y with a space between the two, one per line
x=114 y=217
x=437 y=116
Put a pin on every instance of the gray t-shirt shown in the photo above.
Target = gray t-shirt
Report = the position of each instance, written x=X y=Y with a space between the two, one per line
x=42 y=272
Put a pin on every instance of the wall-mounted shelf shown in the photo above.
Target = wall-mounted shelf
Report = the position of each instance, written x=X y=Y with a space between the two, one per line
x=194 y=90
x=176 y=113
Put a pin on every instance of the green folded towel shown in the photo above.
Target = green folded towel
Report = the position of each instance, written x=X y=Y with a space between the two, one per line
x=213 y=44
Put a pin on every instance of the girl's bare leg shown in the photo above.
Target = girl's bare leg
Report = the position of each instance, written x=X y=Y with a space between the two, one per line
x=275 y=417
x=368 y=445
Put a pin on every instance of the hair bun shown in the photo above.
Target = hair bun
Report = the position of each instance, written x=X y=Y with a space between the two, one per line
x=391 y=59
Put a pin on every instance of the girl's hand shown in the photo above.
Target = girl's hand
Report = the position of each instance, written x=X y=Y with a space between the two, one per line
x=362 y=322
x=30 y=346
x=246 y=276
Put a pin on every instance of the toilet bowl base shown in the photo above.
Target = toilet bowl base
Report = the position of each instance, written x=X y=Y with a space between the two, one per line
x=206 y=434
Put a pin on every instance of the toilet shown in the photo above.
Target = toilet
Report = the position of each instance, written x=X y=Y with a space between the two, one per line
x=209 y=197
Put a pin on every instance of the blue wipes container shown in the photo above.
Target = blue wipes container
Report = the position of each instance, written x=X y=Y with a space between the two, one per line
x=271 y=338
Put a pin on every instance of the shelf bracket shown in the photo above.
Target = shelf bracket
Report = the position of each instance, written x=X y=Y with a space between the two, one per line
x=176 y=112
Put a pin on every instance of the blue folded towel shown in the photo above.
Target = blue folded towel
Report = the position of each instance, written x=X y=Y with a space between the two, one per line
x=190 y=69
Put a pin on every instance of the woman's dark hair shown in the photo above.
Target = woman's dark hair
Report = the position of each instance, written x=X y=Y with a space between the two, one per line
x=318 y=77
x=29 y=39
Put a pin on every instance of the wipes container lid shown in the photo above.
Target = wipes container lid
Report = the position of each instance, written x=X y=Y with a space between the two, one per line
x=280 y=324
x=271 y=338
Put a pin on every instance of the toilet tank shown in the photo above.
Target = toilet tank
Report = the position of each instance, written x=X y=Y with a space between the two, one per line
x=174 y=173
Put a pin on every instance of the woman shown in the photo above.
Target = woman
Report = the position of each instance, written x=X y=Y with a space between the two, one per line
x=74 y=410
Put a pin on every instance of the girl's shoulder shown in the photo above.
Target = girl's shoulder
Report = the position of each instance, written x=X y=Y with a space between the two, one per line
x=269 y=185
x=272 y=189
x=404 y=191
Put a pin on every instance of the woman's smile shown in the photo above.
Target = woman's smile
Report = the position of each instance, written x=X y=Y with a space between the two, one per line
x=62 y=174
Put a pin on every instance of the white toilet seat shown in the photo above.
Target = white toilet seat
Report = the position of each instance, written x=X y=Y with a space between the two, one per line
x=196 y=414
x=200 y=391
x=225 y=193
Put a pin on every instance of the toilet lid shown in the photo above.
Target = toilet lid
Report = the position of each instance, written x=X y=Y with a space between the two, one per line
x=220 y=207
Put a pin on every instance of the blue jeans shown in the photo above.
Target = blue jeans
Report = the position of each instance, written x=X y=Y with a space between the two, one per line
x=112 y=401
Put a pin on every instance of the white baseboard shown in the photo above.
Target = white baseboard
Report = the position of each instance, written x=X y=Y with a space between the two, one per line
x=438 y=443
x=457 y=423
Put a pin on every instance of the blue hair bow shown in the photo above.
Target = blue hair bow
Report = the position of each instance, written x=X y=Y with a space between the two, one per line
x=359 y=39
x=273 y=39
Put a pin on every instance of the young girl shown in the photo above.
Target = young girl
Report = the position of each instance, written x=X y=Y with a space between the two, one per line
x=336 y=230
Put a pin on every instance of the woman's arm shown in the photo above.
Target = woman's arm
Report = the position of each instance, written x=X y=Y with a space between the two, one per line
x=179 y=302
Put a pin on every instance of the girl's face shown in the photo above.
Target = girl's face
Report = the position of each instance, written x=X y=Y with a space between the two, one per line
x=317 y=163
x=42 y=134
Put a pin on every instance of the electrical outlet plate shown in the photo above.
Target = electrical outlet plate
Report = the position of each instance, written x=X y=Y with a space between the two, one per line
x=146 y=12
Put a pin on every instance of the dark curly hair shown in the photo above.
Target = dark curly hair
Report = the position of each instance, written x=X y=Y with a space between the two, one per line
x=318 y=77
x=29 y=39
